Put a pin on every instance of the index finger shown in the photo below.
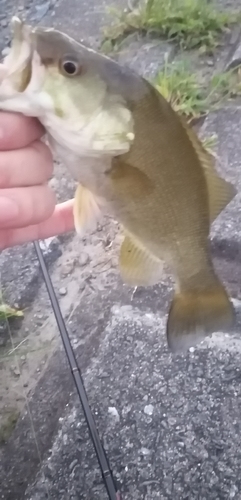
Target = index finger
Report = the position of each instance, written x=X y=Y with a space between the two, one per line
x=18 y=131
x=61 y=221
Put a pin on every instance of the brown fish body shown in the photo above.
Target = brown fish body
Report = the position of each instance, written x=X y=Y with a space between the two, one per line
x=162 y=196
x=159 y=193
x=132 y=154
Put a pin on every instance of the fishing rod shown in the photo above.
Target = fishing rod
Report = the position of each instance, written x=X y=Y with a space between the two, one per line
x=106 y=471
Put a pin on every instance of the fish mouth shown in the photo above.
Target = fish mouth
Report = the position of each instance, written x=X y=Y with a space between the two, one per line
x=22 y=74
x=29 y=85
x=16 y=66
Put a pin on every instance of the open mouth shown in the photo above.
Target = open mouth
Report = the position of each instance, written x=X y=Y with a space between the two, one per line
x=22 y=74
x=15 y=73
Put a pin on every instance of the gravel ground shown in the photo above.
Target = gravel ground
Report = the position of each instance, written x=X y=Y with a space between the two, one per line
x=170 y=424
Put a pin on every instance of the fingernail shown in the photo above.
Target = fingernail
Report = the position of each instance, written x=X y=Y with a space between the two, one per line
x=9 y=209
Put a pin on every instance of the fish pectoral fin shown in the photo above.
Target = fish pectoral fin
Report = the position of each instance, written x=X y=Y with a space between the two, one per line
x=220 y=193
x=87 y=210
x=137 y=266
x=195 y=315
x=129 y=180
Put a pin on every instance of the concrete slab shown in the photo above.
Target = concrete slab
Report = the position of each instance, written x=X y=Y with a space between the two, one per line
x=171 y=425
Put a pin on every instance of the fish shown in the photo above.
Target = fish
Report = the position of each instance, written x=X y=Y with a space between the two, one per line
x=133 y=158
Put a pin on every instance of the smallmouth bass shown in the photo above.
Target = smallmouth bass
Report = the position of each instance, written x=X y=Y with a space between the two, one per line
x=133 y=158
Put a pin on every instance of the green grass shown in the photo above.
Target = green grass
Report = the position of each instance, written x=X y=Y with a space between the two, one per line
x=189 y=23
x=181 y=88
x=209 y=143
x=7 y=312
x=226 y=85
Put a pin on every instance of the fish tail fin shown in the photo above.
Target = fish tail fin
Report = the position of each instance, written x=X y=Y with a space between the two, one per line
x=195 y=314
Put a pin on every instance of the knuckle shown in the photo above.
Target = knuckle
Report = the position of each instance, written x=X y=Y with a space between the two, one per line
x=44 y=153
x=46 y=202
x=5 y=172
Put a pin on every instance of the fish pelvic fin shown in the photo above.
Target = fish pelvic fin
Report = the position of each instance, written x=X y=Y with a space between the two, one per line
x=194 y=315
x=86 y=211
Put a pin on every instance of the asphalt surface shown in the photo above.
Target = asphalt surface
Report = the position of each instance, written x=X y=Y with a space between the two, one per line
x=170 y=424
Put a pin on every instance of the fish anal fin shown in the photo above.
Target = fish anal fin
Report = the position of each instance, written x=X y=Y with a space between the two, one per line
x=137 y=266
x=87 y=210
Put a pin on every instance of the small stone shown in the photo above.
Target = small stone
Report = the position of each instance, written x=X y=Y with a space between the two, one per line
x=113 y=412
x=148 y=410
x=103 y=375
x=83 y=259
x=66 y=270
x=233 y=491
x=145 y=451
x=15 y=371
x=171 y=421
x=73 y=464
x=63 y=291
x=236 y=303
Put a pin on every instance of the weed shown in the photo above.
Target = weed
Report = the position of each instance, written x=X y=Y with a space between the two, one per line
x=209 y=143
x=189 y=23
x=9 y=312
x=226 y=85
x=180 y=87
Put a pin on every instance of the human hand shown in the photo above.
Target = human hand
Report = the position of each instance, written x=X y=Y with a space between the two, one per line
x=27 y=204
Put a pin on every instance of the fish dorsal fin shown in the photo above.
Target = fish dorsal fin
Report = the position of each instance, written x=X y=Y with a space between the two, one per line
x=220 y=192
x=206 y=159
x=137 y=266
x=87 y=210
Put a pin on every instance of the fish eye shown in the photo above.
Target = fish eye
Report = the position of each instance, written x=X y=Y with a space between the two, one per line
x=70 y=67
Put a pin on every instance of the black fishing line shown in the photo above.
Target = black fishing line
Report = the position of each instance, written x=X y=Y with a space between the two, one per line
x=76 y=373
